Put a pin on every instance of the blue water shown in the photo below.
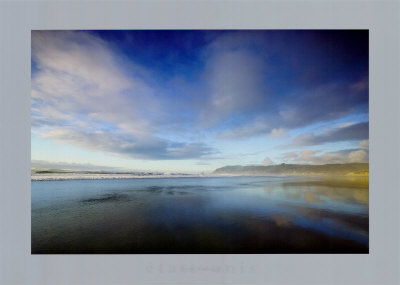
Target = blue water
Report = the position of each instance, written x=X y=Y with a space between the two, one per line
x=200 y=215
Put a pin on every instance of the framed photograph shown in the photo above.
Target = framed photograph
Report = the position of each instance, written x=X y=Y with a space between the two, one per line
x=199 y=141
x=194 y=142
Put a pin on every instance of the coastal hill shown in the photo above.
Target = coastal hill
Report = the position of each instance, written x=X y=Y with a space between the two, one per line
x=347 y=169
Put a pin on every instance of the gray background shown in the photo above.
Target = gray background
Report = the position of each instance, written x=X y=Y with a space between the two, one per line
x=18 y=266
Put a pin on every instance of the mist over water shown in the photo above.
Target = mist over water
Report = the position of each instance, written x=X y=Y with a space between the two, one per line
x=200 y=215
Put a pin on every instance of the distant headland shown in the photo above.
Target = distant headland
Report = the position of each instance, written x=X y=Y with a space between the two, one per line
x=346 y=169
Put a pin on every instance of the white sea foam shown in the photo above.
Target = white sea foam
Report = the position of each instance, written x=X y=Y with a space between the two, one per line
x=91 y=176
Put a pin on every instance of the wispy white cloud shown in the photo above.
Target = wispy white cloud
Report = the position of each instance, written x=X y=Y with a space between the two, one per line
x=355 y=131
x=364 y=144
x=44 y=164
x=322 y=103
x=278 y=133
x=149 y=147
x=268 y=161
x=259 y=127
x=233 y=78
x=289 y=155
x=84 y=94
x=320 y=157
x=360 y=155
x=79 y=75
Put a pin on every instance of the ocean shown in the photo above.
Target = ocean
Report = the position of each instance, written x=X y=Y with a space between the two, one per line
x=194 y=215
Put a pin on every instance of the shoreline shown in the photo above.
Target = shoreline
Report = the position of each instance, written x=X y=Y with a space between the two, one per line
x=58 y=177
x=79 y=176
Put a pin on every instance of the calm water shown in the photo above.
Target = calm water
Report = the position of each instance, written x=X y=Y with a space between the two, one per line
x=200 y=215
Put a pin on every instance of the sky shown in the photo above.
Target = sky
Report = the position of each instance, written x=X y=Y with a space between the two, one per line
x=193 y=101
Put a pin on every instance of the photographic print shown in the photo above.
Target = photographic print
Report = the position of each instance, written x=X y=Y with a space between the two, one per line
x=199 y=141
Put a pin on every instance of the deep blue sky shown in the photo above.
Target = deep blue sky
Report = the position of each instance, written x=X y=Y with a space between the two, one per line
x=196 y=100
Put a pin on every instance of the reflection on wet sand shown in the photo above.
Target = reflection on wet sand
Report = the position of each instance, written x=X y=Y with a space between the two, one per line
x=281 y=220
x=346 y=189
x=335 y=182
x=201 y=215
x=311 y=197
x=358 y=222
x=361 y=196
x=268 y=189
